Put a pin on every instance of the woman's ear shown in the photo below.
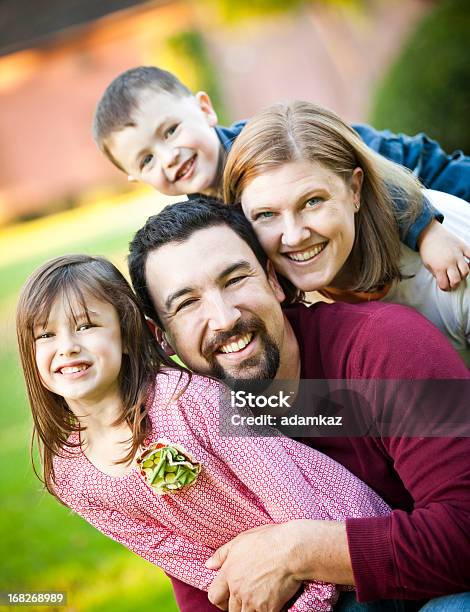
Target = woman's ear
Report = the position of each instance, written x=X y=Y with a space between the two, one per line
x=356 y=186
x=205 y=105
x=274 y=282
x=163 y=342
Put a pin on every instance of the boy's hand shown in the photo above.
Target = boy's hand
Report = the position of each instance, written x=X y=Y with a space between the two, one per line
x=444 y=255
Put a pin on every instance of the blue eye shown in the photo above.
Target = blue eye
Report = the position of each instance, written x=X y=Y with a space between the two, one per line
x=146 y=160
x=264 y=215
x=312 y=202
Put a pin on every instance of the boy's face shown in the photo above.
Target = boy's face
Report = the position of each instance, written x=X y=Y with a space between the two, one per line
x=171 y=144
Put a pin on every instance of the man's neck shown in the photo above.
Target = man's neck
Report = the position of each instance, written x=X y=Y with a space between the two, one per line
x=289 y=366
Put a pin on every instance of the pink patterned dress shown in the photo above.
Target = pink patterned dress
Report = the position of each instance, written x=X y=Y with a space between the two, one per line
x=244 y=482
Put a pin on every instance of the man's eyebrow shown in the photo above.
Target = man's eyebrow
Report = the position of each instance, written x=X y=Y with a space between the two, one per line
x=242 y=264
x=174 y=296
x=238 y=265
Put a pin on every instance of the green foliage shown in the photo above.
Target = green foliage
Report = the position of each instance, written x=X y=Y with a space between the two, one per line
x=231 y=11
x=44 y=546
x=428 y=88
x=190 y=49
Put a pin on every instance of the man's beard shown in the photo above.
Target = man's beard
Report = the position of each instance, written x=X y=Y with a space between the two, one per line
x=257 y=367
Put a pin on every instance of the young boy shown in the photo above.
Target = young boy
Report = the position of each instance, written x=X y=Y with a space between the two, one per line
x=155 y=129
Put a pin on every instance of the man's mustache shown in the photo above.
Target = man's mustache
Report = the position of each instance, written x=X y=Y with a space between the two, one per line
x=241 y=328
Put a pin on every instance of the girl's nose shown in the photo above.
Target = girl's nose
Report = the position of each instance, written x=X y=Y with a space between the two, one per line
x=69 y=346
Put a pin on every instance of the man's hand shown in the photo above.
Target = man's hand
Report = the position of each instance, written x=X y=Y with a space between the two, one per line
x=444 y=255
x=256 y=572
x=261 y=569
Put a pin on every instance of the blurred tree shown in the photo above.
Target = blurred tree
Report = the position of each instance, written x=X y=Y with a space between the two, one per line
x=228 y=11
x=186 y=55
x=428 y=87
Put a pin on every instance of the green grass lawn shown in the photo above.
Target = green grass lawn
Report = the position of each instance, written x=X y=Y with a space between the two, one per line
x=43 y=545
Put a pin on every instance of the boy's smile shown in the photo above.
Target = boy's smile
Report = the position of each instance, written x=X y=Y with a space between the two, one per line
x=170 y=144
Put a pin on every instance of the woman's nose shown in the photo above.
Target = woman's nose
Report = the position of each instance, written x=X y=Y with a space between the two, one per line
x=294 y=233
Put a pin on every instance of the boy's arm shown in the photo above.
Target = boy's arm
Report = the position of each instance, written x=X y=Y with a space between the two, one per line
x=424 y=157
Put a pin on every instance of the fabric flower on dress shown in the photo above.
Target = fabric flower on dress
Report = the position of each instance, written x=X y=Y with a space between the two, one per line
x=167 y=467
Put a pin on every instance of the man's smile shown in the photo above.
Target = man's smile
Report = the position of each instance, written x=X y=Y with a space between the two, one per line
x=236 y=345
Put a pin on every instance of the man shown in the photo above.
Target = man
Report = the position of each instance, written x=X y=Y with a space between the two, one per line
x=204 y=280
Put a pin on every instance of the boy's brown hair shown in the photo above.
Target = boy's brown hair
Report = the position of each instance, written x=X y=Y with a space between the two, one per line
x=119 y=102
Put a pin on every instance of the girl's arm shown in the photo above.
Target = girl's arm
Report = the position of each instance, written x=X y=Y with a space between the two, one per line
x=178 y=556
x=291 y=480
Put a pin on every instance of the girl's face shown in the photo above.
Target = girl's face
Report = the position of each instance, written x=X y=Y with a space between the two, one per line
x=303 y=215
x=80 y=359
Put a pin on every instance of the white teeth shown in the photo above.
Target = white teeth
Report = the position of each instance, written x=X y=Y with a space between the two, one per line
x=73 y=369
x=184 y=168
x=307 y=254
x=233 y=347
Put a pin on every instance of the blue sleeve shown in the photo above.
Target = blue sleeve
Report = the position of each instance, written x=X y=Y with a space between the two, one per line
x=425 y=158
x=228 y=134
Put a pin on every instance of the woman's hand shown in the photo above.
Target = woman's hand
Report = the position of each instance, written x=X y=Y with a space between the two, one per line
x=444 y=255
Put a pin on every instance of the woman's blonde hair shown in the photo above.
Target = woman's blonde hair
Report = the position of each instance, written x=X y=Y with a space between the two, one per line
x=75 y=277
x=391 y=195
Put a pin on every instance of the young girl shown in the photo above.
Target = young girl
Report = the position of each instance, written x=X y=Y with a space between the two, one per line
x=321 y=204
x=131 y=442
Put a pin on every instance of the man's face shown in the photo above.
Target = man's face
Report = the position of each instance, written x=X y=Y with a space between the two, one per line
x=172 y=144
x=221 y=313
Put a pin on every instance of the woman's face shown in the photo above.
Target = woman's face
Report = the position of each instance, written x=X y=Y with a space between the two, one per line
x=303 y=215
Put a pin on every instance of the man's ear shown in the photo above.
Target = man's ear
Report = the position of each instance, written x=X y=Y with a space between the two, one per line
x=274 y=282
x=205 y=105
x=163 y=342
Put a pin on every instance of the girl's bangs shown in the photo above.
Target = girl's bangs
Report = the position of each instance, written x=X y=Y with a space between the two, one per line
x=75 y=287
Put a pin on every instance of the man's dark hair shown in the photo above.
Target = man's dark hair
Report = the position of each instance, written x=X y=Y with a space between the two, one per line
x=176 y=223
x=115 y=110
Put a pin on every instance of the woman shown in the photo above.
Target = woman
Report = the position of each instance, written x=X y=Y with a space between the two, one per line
x=321 y=203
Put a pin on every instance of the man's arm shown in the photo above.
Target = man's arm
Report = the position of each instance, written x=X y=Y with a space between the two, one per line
x=424 y=553
x=414 y=555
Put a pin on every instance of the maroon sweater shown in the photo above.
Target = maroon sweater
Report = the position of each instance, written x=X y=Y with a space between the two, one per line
x=422 y=549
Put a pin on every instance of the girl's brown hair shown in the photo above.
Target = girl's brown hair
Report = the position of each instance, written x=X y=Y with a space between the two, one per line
x=74 y=277
x=390 y=195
